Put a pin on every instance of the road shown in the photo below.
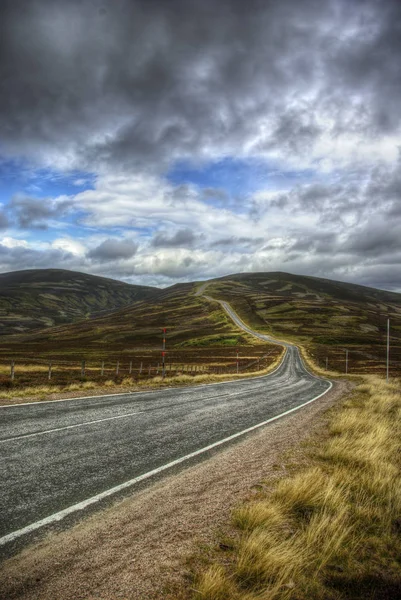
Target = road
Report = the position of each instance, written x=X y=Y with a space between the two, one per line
x=59 y=458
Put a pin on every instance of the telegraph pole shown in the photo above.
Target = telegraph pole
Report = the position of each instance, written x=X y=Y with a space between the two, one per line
x=164 y=353
x=388 y=349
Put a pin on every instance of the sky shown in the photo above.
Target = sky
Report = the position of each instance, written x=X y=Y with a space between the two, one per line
x=161 y=141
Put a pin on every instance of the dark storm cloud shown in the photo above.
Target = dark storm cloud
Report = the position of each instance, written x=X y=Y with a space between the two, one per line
x=183 y=237
x=34 y=213
x=137 y=81
x=235 y=241
x=113 y=250
x=19 y=258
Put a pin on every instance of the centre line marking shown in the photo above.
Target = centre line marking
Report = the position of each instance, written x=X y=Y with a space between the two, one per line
x=58 y=516
x=29 y=435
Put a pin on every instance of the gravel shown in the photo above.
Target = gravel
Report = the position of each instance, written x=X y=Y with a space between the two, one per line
x=140 y=547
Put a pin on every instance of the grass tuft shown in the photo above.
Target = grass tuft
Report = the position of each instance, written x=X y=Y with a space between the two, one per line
x=332 y=530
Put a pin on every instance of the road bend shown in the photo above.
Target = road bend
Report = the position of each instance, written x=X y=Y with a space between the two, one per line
x=59 y=458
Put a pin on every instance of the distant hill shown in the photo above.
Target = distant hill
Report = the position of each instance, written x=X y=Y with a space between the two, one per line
x=114 y=318
x=329 y=316
x=38 y=298
x=193 y=324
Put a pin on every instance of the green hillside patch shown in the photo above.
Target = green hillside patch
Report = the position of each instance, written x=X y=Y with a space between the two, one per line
x=216 y=340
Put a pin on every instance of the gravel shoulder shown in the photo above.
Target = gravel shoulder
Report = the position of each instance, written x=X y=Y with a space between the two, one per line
x=140 y=547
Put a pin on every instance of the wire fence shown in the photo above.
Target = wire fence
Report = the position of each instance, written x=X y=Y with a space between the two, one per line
x=42 y=369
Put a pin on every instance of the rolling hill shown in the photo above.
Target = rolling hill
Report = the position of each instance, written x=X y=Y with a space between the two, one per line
x=328 y=316
x=39 y=298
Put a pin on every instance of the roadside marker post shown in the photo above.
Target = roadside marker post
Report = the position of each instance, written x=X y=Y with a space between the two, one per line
x=117 y=367
x=130 y=367
x=327 y=362
x=346 y=362
x=140 y=369
x=83 y=368
x=102 y=369
x=388 y=350
x=237 y=362
x=164 y=354
x=50 y=371
x=12 y=370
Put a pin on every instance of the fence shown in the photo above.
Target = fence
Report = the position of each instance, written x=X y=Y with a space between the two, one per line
x=47 y=370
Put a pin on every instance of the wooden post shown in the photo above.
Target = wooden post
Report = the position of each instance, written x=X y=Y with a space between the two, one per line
x=140 y=369
x=50 y=371
x=157 y=369
x=149 y=369
x=12 y=370
x=130 y=367
x=117 y=367
x=102 y=370
x=83 y=368
x=327 y=362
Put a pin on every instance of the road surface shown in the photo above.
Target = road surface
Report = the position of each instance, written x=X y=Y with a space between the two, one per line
x=59 y=458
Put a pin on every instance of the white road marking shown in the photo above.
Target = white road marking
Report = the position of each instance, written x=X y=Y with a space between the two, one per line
x=29 y=435
x=46 y=431
x=58 y=516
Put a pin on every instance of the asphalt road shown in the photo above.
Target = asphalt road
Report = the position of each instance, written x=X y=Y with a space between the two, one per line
x=57 y=457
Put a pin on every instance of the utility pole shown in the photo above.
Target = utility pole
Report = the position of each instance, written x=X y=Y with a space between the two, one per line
x=388 y=349
x=164 y=354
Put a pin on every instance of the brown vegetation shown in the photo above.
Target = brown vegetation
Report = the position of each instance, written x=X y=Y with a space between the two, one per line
x=332 y=530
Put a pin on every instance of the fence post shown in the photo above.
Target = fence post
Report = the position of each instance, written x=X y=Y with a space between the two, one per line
x=83 y=368
x=50 y=371
x=102 y=370
x=12 y=370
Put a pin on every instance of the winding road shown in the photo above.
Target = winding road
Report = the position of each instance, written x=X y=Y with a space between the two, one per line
x=60 y=458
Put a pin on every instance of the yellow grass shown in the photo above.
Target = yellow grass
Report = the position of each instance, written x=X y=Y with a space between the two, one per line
x=41 y=392
x=332 y=528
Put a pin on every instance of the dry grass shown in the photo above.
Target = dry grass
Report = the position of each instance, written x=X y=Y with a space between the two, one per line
x=331 y=531
x=44 y=392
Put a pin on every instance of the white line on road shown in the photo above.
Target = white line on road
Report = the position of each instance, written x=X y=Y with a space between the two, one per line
x=58 y=516
x=148 y=410
x=29 y=435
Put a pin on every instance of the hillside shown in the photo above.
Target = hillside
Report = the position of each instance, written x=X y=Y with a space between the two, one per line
x=199 y=333
x=329 y=316
x=41 y=298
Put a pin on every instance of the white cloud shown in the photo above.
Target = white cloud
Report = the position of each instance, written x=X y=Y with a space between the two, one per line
x=70 y=245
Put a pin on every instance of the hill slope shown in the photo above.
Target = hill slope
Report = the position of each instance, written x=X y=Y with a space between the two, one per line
x=329 y=316
x=41 y=298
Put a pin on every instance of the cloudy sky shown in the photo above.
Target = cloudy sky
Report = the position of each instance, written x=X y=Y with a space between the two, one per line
x=158 y=141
